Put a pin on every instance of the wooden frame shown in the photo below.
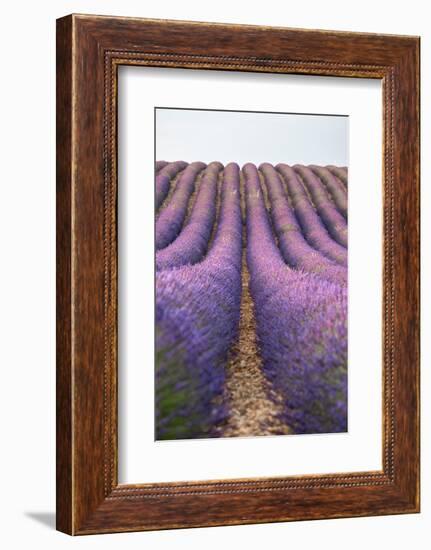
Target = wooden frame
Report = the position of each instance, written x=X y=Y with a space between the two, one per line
x=89 y=51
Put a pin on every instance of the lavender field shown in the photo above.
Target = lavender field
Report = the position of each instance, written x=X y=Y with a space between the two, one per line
x=251 y=299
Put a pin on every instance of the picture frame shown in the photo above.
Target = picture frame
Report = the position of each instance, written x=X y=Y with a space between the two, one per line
x=89 y=51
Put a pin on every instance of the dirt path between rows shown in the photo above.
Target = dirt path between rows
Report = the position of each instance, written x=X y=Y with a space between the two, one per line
x=252 y=412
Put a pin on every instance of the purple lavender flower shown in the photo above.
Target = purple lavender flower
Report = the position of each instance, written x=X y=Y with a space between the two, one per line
x=334 y=186
x=163 y=180
x=301 y=313
x=339 y=172
x=160 y=164
x=313 y=228
x=171 y=218
x=191 y=244
x=294 y=248
x=334 y=221
x=197 y=315
x=301 y=327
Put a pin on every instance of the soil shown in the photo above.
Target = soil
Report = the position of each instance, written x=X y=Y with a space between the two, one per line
x=254 y=406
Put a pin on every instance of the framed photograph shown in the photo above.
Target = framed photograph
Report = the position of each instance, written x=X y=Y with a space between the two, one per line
x=237 y=274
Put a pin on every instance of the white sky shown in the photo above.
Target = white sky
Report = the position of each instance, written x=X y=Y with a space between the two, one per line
x=235 y=136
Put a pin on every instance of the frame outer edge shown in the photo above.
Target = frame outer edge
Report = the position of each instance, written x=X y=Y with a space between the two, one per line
x=407 y=269
x=64 y=368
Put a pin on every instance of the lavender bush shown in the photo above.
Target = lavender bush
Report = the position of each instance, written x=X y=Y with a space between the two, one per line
x=301 y=327
x=191 y=244
x=160 y=164
x=197 y=315
x=339 y=172
x=334 y=186
x=163 y=180
x=171 y=218
x=334 y=221
x=294 y=248
x=312 y=226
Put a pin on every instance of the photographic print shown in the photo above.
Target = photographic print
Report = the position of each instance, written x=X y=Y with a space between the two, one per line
x=251 y=276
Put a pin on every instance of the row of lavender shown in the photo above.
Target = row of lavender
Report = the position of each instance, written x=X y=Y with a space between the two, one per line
x=297 y=258
x=197 y=316
x=301 y=321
